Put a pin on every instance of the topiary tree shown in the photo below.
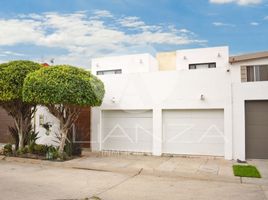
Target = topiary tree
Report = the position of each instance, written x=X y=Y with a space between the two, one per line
x=12 y=75
x=63 y=90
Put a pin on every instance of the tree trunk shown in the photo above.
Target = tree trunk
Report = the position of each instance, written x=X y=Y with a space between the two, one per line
x=21 y=140
x=20 y=132
x=22 y=113
x=63 y=140
x=67 y=115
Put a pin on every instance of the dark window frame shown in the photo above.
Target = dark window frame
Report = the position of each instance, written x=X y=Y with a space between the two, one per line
x=254 y=73
x=210 y=65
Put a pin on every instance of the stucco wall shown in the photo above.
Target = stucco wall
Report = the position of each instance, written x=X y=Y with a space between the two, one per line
x=220 y=55
x=128 y=63
x=167 y=90
x=45 y=137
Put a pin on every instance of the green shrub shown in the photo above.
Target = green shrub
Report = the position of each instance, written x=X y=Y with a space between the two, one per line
x=8 y=150
x=40 y=149
x=52 y=153
x=23 y=150
x=72 y=149
x=32 y=137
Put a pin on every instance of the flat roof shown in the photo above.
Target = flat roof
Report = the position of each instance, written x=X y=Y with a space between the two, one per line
x=249 y=56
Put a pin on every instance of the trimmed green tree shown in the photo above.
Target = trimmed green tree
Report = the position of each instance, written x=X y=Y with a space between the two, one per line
x=12 y=75
x=63 y=89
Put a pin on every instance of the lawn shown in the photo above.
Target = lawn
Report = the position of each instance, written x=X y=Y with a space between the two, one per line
x=246 y=171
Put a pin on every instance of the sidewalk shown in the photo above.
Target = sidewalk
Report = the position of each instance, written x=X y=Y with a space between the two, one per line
x=208 y=168
x=204 y=168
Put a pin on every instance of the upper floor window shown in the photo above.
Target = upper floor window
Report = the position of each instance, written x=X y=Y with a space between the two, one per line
x=104 y=72
x=202 y=65
x=254 y=73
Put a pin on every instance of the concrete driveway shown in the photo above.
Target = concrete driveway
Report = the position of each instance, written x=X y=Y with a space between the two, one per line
x=212 y=168
x=41 y=181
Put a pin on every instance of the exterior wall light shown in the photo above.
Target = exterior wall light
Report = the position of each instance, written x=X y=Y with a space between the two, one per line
x=113 y=99
x=219 y=55
x=184 y=58
x=202 y=97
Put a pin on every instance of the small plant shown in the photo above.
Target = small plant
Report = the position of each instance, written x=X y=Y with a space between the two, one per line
x=23 y=150
x=40 y=149
x=72 y=149
x=52 y=153
x=32 y=138
x=31 y=141
x=8 y=150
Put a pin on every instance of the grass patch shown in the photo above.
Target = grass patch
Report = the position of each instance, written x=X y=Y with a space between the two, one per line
x=246 y=171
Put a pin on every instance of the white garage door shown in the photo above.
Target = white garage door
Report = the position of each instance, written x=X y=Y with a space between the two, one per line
x=197 y=132
x=127 y=130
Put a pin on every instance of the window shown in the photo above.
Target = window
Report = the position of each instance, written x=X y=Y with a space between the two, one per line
x=257 y=73
x=202 y=65
x=105 y=72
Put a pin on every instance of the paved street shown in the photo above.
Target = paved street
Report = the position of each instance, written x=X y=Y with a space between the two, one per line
x=37 y=181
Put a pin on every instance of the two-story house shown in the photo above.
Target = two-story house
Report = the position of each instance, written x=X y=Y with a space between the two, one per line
x=198 y=102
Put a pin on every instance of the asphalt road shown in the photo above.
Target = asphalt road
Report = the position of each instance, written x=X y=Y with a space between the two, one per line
x=36 y=182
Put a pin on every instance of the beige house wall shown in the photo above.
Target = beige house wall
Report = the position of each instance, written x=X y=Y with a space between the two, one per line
x=167 y=61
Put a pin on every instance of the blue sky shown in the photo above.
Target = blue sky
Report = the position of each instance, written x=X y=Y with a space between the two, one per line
x=74 y=31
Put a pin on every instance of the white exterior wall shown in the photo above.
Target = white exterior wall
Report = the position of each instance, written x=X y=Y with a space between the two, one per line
x=129 y=63
x=220 y=55
x=166 y=90
x=242 y=92
x=44 y=137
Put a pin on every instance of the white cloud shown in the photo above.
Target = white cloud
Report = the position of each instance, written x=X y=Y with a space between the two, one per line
x=15 y=31
x=239 y=2
x=265 y=18
x=223 y=24
x=102 y=13
x=85 y=36
x=254 y=24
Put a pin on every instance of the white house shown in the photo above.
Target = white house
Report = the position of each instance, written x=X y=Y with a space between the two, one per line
x=193 y=105
x=189 y=102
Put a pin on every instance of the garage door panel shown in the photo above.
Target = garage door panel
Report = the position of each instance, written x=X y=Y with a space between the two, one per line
x=257 y=106
x=259 y=132
x=127 y=131
x=127 y=122
x=196 y=149
x=195 y=123
x=256 y=116
x=193 y=132
x=201 y=114
x=259 y=150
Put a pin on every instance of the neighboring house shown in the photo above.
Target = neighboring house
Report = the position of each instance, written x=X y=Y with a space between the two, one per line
x=250 y=105
x=198 y=103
